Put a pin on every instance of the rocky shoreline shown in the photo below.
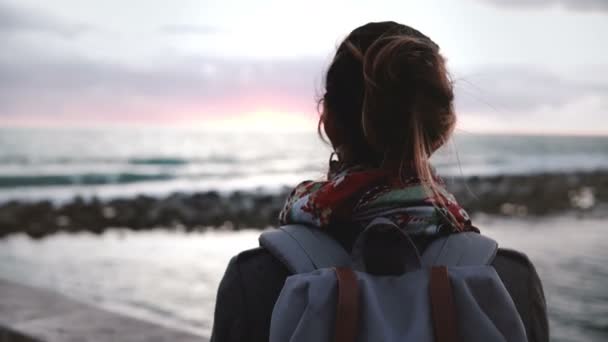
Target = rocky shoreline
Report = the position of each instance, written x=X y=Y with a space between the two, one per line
x=584 y=193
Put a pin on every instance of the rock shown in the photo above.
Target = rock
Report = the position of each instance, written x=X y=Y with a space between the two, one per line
x=515 y=195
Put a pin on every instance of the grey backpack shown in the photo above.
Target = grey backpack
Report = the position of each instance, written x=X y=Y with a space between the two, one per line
x=448 y=293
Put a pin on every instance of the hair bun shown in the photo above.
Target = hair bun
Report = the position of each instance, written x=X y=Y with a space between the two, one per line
x=404 y=79
x=388 y=99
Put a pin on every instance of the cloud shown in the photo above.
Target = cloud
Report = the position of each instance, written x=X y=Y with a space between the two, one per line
x=13 y=19
x=523 y=99
x=202 y=85
x=190 y=29
x=522 y=89
x=576 y=5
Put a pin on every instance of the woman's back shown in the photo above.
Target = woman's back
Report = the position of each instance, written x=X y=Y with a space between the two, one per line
x=387 y=107
x=254 y=279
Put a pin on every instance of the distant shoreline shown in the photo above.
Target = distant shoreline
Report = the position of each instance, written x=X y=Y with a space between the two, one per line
x=580 y=193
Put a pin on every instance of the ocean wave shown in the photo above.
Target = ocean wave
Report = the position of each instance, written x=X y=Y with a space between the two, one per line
x=159 y=161
x=152 y=160
x=13 y=181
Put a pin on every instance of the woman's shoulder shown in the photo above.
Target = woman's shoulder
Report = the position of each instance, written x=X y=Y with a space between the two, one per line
x=521 y=280
x=514 y=257
x=252 y=262
x=258 y=263
x=246 y=296
x=519 y=276
x=258 y=271
x=511 y=264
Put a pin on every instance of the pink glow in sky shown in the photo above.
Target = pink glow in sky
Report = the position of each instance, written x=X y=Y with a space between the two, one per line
x=241 y=64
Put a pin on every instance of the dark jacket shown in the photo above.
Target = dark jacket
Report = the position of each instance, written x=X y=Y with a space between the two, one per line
x=254 y=278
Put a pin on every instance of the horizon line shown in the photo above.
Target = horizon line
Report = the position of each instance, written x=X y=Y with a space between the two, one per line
x=196 y=126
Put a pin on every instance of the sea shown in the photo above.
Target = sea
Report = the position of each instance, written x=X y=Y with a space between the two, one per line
x=170 y=276
x=59 y=164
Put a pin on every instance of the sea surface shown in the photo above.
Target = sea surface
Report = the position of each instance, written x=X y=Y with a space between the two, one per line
x=61 y=163
x=171 y=277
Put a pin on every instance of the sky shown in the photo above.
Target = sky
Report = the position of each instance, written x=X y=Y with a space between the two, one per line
x=519 y=66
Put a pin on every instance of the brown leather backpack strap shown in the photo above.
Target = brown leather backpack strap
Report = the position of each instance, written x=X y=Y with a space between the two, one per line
x=347 y=310
x=443 y=309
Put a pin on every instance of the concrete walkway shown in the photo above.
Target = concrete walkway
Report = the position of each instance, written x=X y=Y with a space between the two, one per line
x=28 y=314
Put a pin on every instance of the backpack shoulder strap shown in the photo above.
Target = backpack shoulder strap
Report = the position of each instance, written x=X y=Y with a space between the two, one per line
x=460 y=249
x=304 y=249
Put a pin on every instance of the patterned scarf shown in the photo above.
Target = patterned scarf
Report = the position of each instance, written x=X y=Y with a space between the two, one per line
x=357 y=195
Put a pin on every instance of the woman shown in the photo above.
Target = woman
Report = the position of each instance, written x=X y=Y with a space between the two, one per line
x=388 y=105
